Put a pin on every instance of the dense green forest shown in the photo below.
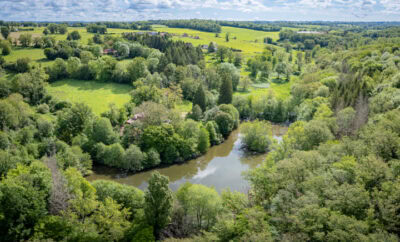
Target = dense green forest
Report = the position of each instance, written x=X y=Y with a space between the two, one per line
x=335 y=176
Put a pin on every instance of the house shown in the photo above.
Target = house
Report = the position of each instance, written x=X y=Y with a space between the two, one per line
x=110 y=52
x=185 y=35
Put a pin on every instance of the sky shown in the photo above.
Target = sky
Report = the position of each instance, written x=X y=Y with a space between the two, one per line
x=134 y=10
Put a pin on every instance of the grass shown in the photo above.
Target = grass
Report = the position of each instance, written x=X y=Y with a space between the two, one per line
x=36 y=55
x=281 y=91
x=248 y=41
x=96 y=95
x=184 y=107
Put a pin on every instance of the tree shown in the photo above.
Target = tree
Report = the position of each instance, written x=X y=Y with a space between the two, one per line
x=58 y=70
x=25 y=40
x=158 y=202
x=129 y=197
x=201 y=204
x=62 y=28
x=134 y=159
x=144 y=93
x=257 y=136
x=245 y=83
x=196 y=114
x=237 y=61
x=226 y=90
x=5 y=31
x=23 y=199
x=204 y=141
x=137 y=68
x=73 y=121
x=6 y=49
x=23 y=65
x=200 y=98
x=281 y=68
x=74 y=35
x=102 y=131
x=345 y=121
x=227 y=36
x=46 y=31
x=222 y=52
x=211 y=47
x=52 y=28
x=228 y=69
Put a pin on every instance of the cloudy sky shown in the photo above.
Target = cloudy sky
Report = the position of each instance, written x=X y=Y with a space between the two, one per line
x=130 y=10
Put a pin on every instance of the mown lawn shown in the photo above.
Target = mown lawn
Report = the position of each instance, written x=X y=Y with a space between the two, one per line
x=97 y=95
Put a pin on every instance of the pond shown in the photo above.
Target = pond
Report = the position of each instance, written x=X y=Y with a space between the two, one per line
x=221 y=167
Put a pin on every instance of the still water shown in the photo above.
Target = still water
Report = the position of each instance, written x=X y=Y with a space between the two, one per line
x=221 y=167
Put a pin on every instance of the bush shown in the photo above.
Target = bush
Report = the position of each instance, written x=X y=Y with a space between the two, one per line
x=128 y=196
x=133 y=159
x=23 y=65
x=6 y=49
x=257 y=136
x=43 y=108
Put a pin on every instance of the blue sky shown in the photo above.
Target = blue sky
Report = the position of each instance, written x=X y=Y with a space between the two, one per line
x=131 y=10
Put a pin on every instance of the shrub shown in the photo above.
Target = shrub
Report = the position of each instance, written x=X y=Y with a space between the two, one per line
x=257 y=136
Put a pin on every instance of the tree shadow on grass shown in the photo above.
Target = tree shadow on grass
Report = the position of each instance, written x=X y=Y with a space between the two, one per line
x=280 y=80
x=82 y=85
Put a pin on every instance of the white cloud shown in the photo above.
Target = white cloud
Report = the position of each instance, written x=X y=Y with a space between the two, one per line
x=128 y=10
x=316 y=3
x=391 y=6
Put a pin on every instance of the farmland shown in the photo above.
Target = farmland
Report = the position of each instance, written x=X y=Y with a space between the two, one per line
x=96 y=95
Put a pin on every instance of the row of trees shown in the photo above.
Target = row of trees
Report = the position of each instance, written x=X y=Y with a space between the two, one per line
x=251 y=25
x=196 y=24
x=97 y=29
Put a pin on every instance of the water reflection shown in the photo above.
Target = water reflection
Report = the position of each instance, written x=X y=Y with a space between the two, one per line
x=222 y=167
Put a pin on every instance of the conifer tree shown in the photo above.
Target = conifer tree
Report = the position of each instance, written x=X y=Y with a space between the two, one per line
x=200 y=98
x=211 y=47
x=226 y=90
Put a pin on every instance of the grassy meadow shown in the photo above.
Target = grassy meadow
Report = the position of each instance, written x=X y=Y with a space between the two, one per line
x=97 y=95
x=248 y=41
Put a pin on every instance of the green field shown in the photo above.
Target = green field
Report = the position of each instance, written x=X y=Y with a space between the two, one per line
x=36 y=55
x=96 y=95
x=100 y=95
x=248 y=41
x=281 y=91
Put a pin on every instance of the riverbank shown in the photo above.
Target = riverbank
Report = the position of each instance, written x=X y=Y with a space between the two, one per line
x=222 y=167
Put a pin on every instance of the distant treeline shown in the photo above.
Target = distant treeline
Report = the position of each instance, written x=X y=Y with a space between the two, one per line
x=251 y=25
x=142 y=25
x=196 y=24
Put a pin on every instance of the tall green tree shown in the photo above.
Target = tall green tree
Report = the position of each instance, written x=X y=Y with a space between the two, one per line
x=226 y=90
x=158 y=202
x=6 y=49
x=200 y=98
x=25 y=40
x=227 y=37
x=5 y=31
x=137 y=69
x=211 y=47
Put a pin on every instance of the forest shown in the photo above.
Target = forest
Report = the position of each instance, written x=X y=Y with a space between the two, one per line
x=334 y=175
